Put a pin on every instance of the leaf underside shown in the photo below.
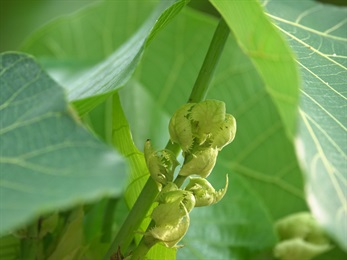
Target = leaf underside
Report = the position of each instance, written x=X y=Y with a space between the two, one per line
x=48 y=160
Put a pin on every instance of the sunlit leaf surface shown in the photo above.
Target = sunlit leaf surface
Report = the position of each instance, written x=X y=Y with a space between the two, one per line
x=48 y=161
x=268 y=51
x=321 y=49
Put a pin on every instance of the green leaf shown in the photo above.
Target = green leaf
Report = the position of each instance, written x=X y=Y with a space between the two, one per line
x=321 y=141
x=268 y=51
x=9 y=247
x=64 y=42
x=71 y=241
x=48 y=160
x=26 y=16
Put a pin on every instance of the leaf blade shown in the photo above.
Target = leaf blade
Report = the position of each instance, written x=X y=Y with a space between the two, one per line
x=321 y=142
x=48 y=160
x=90 y=85
x=268 y=51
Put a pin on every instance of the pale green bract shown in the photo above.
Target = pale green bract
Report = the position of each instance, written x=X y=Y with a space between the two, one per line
x=204 y=192
x=201 y=129
x=180 y=127
x=201 y=163
x=207 y=116
x=161 y=164
x=226 y=133
x=171 y=216
x=204 y=123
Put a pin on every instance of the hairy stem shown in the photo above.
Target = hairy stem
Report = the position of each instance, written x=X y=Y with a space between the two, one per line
x=150 y=190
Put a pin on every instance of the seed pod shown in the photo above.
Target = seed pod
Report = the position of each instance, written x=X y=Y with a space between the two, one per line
x=204 y=192
x=201 y=163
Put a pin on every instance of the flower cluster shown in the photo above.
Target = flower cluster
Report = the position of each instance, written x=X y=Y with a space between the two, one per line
x=201 y=130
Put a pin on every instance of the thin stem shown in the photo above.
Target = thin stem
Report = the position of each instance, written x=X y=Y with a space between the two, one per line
x=150 y=190
x=180 y=180
x=131 y=224
x=209 y=65
x=140 y=251
x=108 y=219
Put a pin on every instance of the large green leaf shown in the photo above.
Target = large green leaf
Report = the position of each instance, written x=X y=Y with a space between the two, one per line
x=48 y=160
x=268 y=51
x=65 y=42
x=321 y=142
x=25 y=16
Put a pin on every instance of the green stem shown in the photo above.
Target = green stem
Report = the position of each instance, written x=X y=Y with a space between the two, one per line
x=127 y=231
x=209 y=65
x=108 y=220
x=140 y=251
x=150 y=190
x=180 y=180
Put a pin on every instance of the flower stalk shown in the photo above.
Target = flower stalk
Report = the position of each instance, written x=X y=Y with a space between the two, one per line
x=150 y=190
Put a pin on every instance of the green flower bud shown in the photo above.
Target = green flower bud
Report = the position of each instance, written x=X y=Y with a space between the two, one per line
x=171 y=194
x=225 y=134
x=204 y=123
x=207 y=116
x=168 y=214
x=201 y=162
x=171 y=216
x=169 y=235
x=161 y=164
x=300 y=237
x=180 y=127
x=204 y=192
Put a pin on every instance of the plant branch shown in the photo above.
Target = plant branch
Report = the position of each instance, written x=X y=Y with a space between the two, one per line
x=108 y=219
x=209 y=65
x=150 y=190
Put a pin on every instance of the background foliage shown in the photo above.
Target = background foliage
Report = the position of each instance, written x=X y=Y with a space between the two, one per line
x=111 y=44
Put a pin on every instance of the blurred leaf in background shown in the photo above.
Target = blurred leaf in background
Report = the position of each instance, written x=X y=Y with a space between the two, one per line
x=18 y=19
